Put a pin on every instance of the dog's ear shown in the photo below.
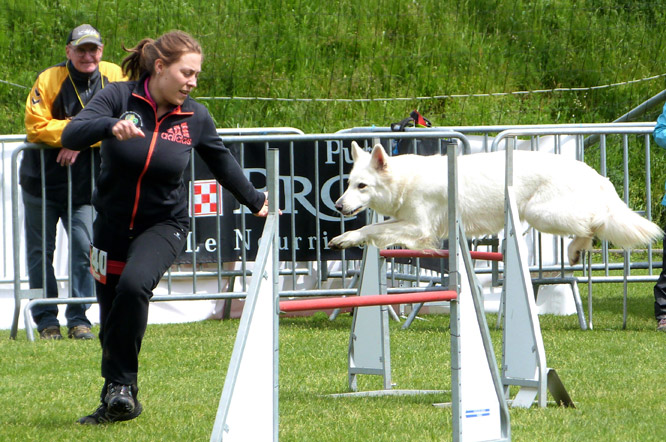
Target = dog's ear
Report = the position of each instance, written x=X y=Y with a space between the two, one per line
x=378 y=158
x=356 y=151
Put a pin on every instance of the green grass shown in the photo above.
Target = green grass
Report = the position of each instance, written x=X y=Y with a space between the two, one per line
x=374 y=50
x=381 y=54
x=611 y=374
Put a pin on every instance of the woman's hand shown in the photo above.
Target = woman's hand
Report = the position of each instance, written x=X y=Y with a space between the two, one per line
x=263 y=213
x=126 y=130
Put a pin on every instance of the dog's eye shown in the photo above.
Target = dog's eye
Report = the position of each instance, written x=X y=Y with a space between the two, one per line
x=362 y=185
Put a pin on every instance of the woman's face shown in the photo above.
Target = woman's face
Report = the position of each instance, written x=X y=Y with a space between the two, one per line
x=175 y=82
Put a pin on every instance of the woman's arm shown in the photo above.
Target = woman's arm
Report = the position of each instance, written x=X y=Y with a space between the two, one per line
x=226 y=169
x=95 y=122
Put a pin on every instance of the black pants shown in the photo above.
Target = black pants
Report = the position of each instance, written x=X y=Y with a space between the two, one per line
x=124 y=298
x=660 y=290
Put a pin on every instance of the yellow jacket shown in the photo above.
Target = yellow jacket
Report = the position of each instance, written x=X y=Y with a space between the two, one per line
x=54 y=100
x=60 y=93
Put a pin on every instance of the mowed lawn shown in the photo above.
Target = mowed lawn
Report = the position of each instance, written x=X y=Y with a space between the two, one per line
x=611 y=373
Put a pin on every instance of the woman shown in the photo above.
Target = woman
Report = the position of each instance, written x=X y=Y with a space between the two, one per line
x=148 y=128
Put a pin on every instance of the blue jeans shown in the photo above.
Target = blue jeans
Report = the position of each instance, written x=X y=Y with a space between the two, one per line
x=82 y=282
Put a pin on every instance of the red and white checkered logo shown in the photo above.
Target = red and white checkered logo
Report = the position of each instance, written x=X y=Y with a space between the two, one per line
x=207 y=198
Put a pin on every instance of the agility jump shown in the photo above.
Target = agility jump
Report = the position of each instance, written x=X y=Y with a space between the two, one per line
x=523 y=356
x=249 y=401
x=479 y=409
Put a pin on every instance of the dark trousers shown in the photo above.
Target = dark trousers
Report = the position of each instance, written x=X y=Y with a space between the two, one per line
x=660 y=290
x=124 y=298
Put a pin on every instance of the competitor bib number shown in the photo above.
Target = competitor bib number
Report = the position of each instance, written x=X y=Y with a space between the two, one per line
x=98 y=264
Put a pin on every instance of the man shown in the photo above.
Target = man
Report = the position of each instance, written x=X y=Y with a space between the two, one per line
x=659 y=135
x=60 y=93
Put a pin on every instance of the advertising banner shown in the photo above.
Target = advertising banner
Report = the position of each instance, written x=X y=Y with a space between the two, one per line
x=309 y=186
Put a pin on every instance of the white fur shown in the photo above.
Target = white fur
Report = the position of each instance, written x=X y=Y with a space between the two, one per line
x=554 y=195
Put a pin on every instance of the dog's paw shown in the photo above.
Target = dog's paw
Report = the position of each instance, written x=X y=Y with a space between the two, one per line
x=346 y=240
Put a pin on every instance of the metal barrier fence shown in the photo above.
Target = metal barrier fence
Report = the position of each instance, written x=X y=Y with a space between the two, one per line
x=7 y=145
x=325 y=272
x=626 y=265
x=194 y=269
x=586 y=142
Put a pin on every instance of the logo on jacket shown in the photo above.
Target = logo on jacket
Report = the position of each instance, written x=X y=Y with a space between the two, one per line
x=37 y=98
x=179 y=133
x=133 y=117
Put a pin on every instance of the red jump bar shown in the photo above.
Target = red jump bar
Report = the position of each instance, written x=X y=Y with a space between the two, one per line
x=366 y=301
x=402 y=253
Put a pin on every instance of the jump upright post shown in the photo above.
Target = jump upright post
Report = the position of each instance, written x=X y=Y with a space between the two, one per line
x=248 y=409
x=523 y=356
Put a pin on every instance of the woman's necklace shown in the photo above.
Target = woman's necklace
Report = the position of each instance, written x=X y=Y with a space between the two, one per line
x=69 y=74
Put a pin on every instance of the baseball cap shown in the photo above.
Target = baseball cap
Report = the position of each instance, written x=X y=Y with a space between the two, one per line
x=84 y=34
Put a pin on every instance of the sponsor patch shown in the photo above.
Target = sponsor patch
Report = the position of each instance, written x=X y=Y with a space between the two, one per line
x=133 y=117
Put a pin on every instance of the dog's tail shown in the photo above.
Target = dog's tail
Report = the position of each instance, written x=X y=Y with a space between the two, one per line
x=627 y=229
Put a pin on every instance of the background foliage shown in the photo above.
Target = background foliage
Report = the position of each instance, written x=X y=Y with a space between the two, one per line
x=326 y=66
x=374 y=50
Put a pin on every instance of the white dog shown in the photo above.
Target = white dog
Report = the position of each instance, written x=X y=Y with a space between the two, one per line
x=554 y=195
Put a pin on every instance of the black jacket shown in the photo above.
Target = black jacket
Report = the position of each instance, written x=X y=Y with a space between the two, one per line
x=141 y=180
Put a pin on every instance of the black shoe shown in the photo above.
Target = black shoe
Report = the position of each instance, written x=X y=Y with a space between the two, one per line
x=96 y=418
x=119 y=399
x=103 y=416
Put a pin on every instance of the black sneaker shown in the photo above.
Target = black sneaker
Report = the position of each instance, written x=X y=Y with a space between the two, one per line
x=103 y=416
x=119 y=399
x=97 y=417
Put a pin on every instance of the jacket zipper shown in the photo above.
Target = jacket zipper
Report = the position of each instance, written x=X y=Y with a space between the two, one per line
x=151 y=149
x=137 y=194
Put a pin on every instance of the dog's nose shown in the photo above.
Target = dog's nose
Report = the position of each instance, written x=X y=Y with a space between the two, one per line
x=338 y=207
